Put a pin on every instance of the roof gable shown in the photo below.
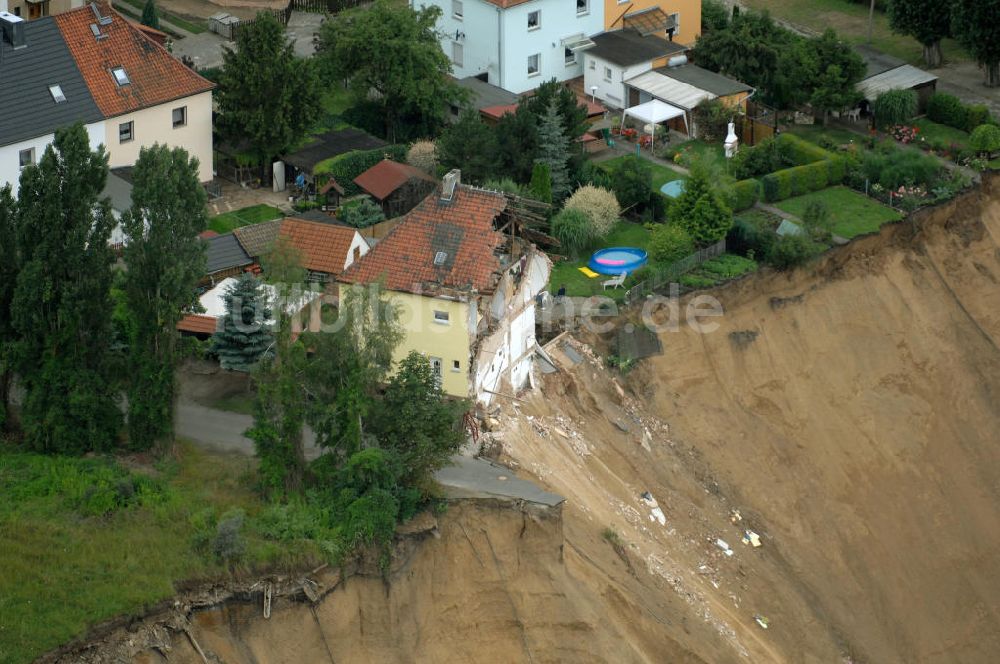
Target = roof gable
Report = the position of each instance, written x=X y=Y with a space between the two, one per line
x=324 y=247
x=27 y=107
x=154 y=76
x=446 y=243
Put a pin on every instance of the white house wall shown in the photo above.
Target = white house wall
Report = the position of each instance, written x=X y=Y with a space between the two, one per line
x=497 y=41
x=613 y=93
x=10 y=168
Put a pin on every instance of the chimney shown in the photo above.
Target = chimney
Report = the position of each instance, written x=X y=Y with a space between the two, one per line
x=13 y=29
x=452 y=179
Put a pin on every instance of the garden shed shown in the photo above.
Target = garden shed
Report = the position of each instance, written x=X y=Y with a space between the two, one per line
x=328 y=145
x=396 y=187
x=685 y=87
x=884 y=72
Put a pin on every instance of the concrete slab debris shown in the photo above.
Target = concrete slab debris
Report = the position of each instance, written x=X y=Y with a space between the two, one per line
x=478 y=478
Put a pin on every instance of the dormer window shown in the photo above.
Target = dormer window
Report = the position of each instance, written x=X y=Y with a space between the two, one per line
x=57 y=94
x=121 y=78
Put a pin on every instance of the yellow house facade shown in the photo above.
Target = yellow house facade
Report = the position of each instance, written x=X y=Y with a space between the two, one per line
x=438 y=328
x=683 y=15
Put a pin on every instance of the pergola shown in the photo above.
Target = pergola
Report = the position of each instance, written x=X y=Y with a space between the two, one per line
x=654 y=112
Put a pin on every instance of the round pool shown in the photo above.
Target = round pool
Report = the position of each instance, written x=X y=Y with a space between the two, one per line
x=615 y=260
x=673 y=189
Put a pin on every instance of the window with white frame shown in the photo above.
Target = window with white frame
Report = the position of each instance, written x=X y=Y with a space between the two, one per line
x=607 y=74
x=456 y=365
x=533 y=61
x=534 y=20
x=26 y=158
x=570 y=56
x=457 y=10
x=125 y=132
x=457 y=54
x=673 y=24
x=180 y=116
x=436 y=368
x=582 y=7
x=441 y=317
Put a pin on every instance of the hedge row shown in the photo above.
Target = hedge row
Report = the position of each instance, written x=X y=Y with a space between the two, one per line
x=344 y=168
x=799 y=180
x=802 y=151
x=949 y=110
x=747 y=193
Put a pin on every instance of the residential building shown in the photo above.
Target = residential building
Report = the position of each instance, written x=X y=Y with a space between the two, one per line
x=684 y=87
x=396 y=187
x=43 y=91
x=619 y=56
x=517 y=44
x=482 y=95
x=465 y=283
x=675 y=20
x=145 y=94
x=90 y=65
x=34 y=9
x=296 y=304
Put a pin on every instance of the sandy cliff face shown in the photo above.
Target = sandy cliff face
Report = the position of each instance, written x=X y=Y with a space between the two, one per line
x=848 y=412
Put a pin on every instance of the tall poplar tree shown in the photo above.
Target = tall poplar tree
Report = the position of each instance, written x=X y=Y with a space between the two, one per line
x=165 y=259
x=61 y=308
x=924 y=20
x=976 y=25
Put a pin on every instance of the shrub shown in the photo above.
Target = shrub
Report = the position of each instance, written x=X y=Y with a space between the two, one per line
x=746 y=194
x=777 y=186
x=506 y=185
x=985 y=139
x=895 y=107
x=361 y=213
x=712 y=118
x=792 y=250
x=800 y=151
x=766 y=157
x=947 y=109
x=976 y=115
x=669 y=243
x=344 y=168
x=816 y=213
x=423 y=155
x=894 y=168
x=229 y=544
x=600 y=206
x=632 y=182
x=593 y=174
x=728 y=266
x=574 y=231
x=749 y=239
x=709 y=221
x=697 y=281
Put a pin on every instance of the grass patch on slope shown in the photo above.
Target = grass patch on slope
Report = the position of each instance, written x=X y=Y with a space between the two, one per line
x=851 y=213
x=255 y=214
x=624 y=234
x=85 y=539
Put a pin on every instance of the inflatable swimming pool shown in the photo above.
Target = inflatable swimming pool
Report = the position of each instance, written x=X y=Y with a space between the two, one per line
x=615 y=260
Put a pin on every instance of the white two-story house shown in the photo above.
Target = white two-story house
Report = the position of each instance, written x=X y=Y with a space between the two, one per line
x=517 y=44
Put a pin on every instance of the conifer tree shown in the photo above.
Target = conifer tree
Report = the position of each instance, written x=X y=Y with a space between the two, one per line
x=165 y=260
x=245 y=338
x=150 y=17
x=8 y=281
x=553 y=150
x=541 y=183
x=61 y=309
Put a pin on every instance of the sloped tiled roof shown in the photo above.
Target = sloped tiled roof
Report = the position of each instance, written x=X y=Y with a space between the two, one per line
x=224 y=253
x=257 y=239
x=461 y=229
x=198 y=324
x=387 y=176
x=155 y=77
x=27 y=108
x=324 y=247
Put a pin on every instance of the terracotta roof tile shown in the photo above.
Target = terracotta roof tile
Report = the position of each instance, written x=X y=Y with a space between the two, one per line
x=155 y=77
x=387 y=176
x=324 y=247
x=461 y=230
x=257 y=239
x=198 y=324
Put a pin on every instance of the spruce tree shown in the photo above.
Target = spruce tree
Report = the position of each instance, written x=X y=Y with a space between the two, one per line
x=165 y=260
x=150 y=17
x=553 y=150
x=541 y=183
x=61 y=308
x=245 y=338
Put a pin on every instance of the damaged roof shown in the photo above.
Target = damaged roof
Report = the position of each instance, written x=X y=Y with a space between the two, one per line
x=448 y=243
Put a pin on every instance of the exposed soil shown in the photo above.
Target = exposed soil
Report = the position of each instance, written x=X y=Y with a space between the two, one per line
x=847 y=412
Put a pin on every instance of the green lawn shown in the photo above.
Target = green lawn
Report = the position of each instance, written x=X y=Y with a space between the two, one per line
x=170 y=19
x=625 y=234
x=700 y=149
x=225 y=223
x=661 y=174
x=851 y=213
x=717 y=270
x=67 y=565
x=850 y=20
x=932 y=131
x=817 y=133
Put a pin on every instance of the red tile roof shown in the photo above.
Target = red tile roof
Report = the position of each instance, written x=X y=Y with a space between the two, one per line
x=460 y=229
x=198 y=324
x=387 y=176
x=155 y=77
x=497 y=112
x=324 y=247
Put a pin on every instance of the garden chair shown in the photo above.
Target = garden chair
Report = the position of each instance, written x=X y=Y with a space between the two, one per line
x=617 y=282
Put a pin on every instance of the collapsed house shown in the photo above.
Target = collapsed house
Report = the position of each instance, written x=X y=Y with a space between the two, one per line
x=464 y=276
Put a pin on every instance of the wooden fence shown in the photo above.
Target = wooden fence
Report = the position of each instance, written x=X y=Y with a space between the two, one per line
x=325 y=6
x=663 y=276
x=282 y=15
